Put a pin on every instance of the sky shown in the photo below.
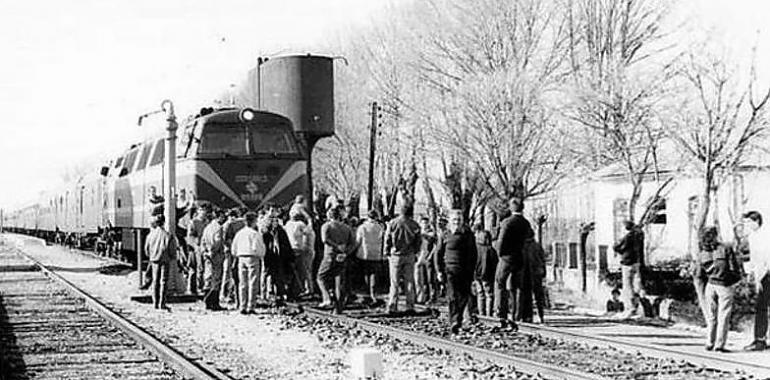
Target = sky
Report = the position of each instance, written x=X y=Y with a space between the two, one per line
x=75 y=75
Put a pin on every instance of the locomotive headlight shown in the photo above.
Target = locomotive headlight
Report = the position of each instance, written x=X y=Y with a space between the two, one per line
x=247 y=114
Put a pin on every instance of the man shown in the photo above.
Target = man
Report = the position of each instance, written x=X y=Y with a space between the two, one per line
x=424 y=274
x=402 y=242
x=514 y=230
x=249 y=248
x=300 y=207
x=535 y=259
x=369 y=238
x=300 y=234
x=212 y=245
x=631 y=251
x=759 y=251
x=161 y=249
x=339 y=242
x=456 y=252
x=233 y=224
x=195 y=258
x=279 y=257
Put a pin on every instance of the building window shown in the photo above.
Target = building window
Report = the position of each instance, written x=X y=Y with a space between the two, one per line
x=573 y=255
x=603 y=258
x=561 y=254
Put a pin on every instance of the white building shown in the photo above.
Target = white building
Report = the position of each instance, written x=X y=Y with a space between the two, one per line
x=602 y=199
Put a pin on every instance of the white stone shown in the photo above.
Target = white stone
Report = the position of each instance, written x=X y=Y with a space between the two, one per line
x=366 y=363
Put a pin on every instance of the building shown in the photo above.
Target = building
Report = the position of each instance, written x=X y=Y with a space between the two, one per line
x=584 y=218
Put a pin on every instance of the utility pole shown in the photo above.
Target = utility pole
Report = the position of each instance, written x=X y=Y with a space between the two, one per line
x=372 y=149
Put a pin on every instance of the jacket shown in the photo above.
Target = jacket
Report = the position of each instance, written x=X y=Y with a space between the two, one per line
x=248 y=242
x=722 y=267
x=514 y=230
x=402 y=237
x=160 y=246
x=456 y=252
x=631 y=248
x=212 y=241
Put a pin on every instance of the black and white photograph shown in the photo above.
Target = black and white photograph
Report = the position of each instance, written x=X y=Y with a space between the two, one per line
x=385 y=189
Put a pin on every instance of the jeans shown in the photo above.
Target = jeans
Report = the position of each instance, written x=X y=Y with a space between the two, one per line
x=763 y=301
x=485 y=297
x=632 y=283
x=458 y=285
x=212 y=278
x=505 y=299
x=401 y=269
x=425 y=279
x=159 y=284
x=249 y=268
x=719 y=301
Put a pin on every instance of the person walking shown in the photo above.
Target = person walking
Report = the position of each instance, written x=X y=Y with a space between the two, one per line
x=369 y=239
x=759 y=251
x=212 y=246
x=484 y=276
x=720 y=265
x=249 y=248
x=161 y=249
x=402 y=242
x=424 y=273
x=339 y=242
x=457 y=255
x=514 y=230
x=631 y=250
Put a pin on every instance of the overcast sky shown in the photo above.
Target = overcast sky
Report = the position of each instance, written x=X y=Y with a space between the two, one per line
x=74 y=75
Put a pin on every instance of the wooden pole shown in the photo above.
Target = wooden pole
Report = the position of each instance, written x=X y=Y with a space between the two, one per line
x=372 y=148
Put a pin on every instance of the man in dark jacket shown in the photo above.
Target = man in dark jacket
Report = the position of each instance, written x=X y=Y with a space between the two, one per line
x=514 y=230
x=402 y=243
x=279 y=256
x=631 y=251
x=457 y=255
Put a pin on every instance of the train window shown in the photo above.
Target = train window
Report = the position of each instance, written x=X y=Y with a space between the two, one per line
x=272 y=141
x=144 y=157
x=157 y=157
x=118 y=162
x=131 y=160
x=222 y=138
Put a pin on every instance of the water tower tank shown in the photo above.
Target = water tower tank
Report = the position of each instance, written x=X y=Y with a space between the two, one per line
x=300 y=87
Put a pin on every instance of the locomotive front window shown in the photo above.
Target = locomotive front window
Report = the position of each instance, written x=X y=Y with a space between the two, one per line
x=223 y=139
x=272 y=141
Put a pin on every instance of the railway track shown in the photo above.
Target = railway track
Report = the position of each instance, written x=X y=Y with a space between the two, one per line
x=523 y=366
x=711 y=362
x=50 y=329
x=549 y=356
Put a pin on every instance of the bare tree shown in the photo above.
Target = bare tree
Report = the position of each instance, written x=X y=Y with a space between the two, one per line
x=494 y=66
x=720 y=119
x=619 y=72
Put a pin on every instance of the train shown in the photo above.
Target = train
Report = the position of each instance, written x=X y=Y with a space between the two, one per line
x=255 y=152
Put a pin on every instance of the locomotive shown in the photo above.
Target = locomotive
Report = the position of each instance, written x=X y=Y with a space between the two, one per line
x=244 y=156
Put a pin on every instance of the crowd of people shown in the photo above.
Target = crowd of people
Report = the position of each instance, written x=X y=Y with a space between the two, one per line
x=267 y=257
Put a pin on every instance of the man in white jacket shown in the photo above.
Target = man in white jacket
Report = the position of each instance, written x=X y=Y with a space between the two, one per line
x=249 y=247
